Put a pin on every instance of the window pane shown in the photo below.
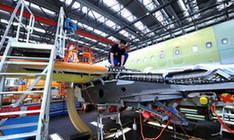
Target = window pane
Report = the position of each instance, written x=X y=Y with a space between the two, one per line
x=161 y=56
x=209 y=45
x=195 y=48
x=224 y=41
x=177 y=52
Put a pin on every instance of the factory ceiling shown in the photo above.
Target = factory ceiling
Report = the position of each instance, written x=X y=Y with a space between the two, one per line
x=140 y=22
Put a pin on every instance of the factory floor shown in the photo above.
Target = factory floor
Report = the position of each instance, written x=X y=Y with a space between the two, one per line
x=199 y=130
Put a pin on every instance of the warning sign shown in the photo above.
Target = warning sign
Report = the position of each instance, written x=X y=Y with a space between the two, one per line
x=226 y=98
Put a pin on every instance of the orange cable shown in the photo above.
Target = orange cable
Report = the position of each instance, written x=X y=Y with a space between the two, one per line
x=142 y=133
x=186 y=134
x=92 y=101
x=89 y=96
x=213 y=109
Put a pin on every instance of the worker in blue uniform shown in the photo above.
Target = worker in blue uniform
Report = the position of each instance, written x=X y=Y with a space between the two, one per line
x=118 y=55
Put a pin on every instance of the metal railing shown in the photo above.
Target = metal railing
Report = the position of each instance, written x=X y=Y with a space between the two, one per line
x=29 y=28
x=60 y=36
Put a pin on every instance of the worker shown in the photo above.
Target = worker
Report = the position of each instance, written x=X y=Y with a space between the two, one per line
x=72 y=54
x=118 y=55
x=22 y=85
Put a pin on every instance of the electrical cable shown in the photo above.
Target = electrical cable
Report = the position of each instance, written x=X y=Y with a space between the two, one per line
x=186 y=134
x=142 y=133
x=92 y=101
x=213 y=109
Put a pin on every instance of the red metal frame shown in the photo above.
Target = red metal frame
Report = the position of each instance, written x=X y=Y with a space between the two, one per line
x=88 y=54
x=107 y=41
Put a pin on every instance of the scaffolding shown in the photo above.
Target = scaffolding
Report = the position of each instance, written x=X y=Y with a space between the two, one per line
x=56 y=49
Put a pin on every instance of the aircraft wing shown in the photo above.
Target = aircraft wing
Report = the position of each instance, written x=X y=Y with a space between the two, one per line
x=63 y=72
x=134 y=86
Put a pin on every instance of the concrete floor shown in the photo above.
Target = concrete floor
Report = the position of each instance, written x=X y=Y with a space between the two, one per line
x=202 y=130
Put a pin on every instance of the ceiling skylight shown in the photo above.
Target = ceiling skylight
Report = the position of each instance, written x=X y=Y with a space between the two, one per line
x=124 y=33
x=32 y=5
x=39 y=30
x=195 y=9
x=84 y=43
x=110 y=23
x=113 y=4
x=221 y=4
x=106 y=21
x=48 y=11
x=68 y=2
x=150 y=34
x=84 y=9
x=183 y=7
x=159 y=16
x=118 y=8
x=90 y=39
x=149 y=4
x=95 y=48
x=88 y=27
x=76 y=5
x=6 y=22
x=2 y=11
x=102 y=44
x=141 y=27
x=94 y=14
x=100 y=33
x=127 y=15
x=113 y=39
x=92 y=29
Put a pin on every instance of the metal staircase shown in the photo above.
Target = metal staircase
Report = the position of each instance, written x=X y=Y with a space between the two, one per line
x=47 y=65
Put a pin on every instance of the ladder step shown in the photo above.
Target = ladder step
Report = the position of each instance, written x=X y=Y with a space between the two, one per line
x=21 y=135
x=25 y=63
x=228 y=114
x=20 y=112
x=28 y=58
x=31 y=46
x=229 y=107
x=22 y=92
x=229 y=122
x=13 y=126
x=22 y=74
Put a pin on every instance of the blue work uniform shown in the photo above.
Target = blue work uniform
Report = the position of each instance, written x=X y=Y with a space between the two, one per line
x=117 y=55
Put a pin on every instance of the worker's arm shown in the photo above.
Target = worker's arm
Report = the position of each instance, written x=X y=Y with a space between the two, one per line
x=122 y=61
x=112 y=59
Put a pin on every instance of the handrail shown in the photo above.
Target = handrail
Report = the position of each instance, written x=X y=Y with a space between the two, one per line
x=28 y=28
x=60 y=36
